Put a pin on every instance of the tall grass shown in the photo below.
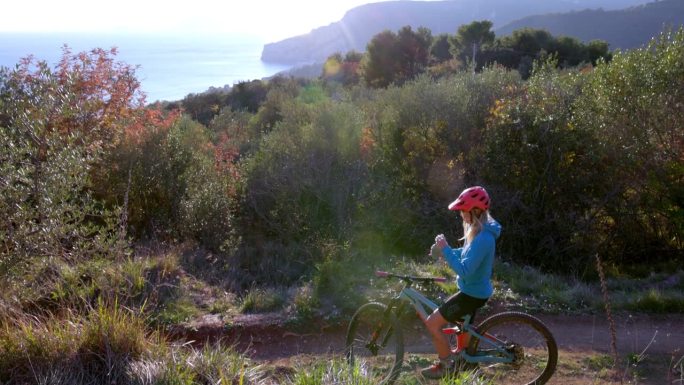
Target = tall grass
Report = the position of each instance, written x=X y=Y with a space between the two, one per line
x=75 y=348
x=332 y=372
x=259 y=299
x=110 y=345
x=466 y=378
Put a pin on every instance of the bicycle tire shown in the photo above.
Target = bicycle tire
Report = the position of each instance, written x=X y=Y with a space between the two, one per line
x=531 y=341
x=381 y=362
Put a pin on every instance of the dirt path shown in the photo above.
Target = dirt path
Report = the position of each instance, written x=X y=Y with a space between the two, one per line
x=266 y=340
x=657 y=340
x=635 y=334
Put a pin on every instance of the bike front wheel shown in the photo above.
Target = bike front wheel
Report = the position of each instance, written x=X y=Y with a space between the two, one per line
x=375 y=343
x=526 y=339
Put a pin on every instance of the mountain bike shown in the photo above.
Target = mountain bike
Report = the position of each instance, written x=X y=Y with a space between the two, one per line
x=509 y=347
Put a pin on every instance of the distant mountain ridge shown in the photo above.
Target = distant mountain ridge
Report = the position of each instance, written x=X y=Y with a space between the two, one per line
x=360 y=24
x=622 y=29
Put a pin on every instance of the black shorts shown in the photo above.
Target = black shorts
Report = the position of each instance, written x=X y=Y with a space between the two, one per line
x=459 y=305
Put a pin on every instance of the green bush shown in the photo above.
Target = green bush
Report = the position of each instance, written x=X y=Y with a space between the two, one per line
x=583 y=162
x=631 y=106
x=657 y=301
x=540 y=170
x=300 y=190
x=334 y=283
x=174 y=311
x=305 y=303
x=423 y=139
x=176 y=190
x=260 y=300
x=47 y=208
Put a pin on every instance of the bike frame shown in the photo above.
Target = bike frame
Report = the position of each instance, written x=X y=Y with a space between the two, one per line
x=420 y=303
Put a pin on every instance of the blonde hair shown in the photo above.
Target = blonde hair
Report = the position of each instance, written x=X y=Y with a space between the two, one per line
x=471 y=230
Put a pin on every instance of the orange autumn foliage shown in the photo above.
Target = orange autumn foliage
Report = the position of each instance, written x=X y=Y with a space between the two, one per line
x=88 y=94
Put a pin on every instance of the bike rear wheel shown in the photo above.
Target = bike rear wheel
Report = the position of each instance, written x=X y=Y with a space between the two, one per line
x=530 y=341
x=375 y=343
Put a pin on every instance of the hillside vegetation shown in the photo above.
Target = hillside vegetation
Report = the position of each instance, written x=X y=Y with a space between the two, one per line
x=359 y=25
x=622 y=29
x=119 y=220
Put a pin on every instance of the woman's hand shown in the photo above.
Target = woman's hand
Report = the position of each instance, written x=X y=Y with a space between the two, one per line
x=440 y=241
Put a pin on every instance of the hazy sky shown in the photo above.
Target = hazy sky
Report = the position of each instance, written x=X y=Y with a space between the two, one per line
x=269 y=19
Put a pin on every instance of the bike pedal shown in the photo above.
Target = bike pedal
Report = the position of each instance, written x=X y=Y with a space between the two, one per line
x=451 y=330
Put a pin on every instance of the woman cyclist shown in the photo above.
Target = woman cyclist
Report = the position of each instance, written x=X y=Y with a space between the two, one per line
x=473 y=265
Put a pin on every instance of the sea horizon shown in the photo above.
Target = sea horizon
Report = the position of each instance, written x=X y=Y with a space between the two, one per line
x=169 y=67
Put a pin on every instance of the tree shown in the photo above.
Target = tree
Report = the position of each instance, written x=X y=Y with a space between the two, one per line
x=380 y=65
x=439 y=50
x=247 y=96
x=528 y=41
x=414 y=50
x=597 y=50
x=471 y=38
x=343 y=69
x=524 y=46
x=203 y=107
x=281 y=91
x=396 y=58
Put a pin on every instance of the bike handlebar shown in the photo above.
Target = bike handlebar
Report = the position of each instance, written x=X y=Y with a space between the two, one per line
x=408 y=278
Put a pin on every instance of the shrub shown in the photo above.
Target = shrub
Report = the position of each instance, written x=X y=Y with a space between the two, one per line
x=300 y=191
x=55 y=127
x=259 y=300
x=423 y=139
x=176 y=187
x=334 y=283
x=540 y=171
x=305 y=302
x=631 y=105
x=657 y=301
x=175 y=311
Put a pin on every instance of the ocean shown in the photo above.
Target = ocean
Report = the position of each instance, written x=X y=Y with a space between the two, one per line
x=170 y=67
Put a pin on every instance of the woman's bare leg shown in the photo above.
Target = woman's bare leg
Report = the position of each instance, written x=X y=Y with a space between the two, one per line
x=435 y=322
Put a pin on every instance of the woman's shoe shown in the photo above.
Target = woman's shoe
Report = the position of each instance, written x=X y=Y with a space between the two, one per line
x=438 y=370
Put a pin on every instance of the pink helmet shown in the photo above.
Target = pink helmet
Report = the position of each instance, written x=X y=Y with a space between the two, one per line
x=471 y=197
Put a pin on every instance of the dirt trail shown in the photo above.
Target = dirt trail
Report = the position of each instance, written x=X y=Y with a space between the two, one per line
x=658 y=341
x=635 y=334
x=263 y=336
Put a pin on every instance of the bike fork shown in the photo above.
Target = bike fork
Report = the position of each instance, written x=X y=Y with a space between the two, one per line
x=384 y=326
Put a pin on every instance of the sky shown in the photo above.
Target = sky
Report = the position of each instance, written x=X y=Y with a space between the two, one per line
x=270 y=20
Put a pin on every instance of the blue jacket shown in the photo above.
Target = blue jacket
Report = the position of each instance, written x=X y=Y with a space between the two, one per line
x=474 y=263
